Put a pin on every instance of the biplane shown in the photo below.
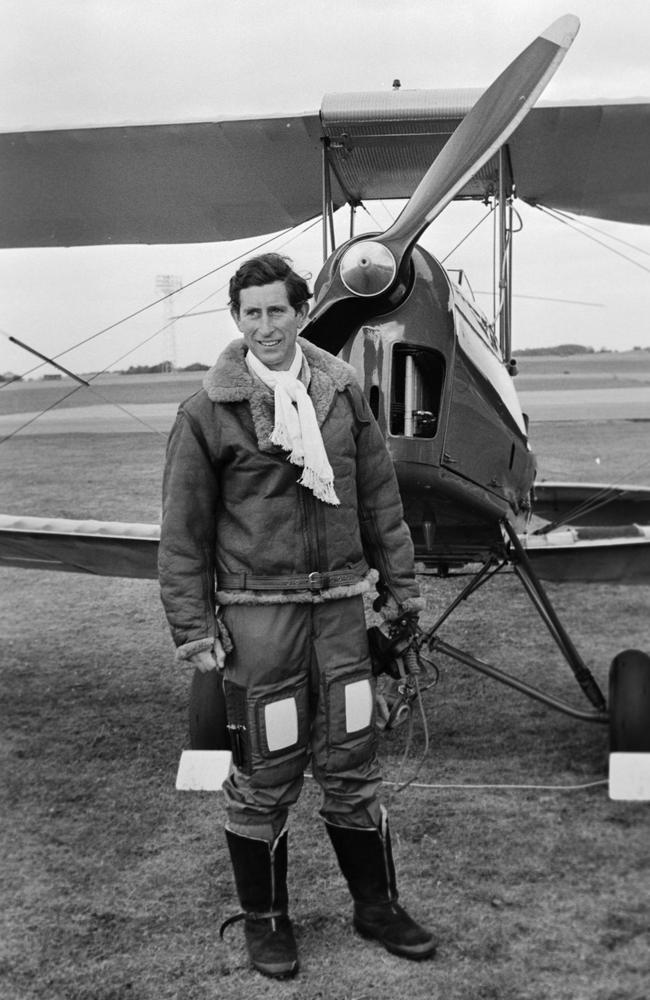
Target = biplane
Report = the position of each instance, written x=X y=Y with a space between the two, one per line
x=438 y=375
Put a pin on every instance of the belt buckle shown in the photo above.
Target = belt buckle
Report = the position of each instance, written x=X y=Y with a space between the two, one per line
x=316 y=581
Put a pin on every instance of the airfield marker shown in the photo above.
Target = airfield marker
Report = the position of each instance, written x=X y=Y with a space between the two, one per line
x=629 y=776
x=203 y=770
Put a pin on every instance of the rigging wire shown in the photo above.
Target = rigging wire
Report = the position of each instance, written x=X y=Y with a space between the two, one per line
x=36 y=416
x=163 y=298
x=609 y=492
x=88 y=383
x=603 y=232
x=83 y=384
x=547 y=298
x=372 y=217
x=599 y=499
x=565 y=221
x=468 y=234
x=206 y=298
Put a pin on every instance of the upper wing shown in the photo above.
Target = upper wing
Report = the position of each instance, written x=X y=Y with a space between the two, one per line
x=188 y=183
x=587 y=157
x=211 y=181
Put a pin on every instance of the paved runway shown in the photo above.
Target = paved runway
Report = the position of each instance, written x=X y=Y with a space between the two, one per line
x=630 y=403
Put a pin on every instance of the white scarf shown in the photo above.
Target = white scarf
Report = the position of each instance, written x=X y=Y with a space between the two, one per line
x=296 y=427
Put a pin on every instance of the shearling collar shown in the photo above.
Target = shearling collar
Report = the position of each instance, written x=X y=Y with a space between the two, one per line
x=230 y=381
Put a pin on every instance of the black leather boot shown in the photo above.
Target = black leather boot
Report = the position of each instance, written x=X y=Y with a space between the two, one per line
x=366 y=860
x=261 y=878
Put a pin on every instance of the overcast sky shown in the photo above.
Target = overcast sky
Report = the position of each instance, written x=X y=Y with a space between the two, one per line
x=94 y=62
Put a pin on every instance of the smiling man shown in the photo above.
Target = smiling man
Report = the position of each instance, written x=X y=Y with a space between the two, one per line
x=269 y=322
x=279 y=497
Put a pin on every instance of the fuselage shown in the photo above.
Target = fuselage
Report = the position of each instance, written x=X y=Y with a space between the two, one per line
x=436 y=381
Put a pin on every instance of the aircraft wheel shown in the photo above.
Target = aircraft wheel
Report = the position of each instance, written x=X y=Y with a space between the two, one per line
x=207 y=711
x=629 y=702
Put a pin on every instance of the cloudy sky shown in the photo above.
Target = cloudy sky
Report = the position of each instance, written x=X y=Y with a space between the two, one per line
x=94 y=62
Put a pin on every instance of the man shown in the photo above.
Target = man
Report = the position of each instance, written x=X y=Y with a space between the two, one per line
x=279 y=497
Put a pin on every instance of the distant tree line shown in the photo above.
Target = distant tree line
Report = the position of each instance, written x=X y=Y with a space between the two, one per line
x=162 y=368
x=562 y=350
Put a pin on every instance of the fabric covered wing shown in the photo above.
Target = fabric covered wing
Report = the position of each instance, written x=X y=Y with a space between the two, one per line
x=188 y=183
x=592 y=556
x=602 y=533
x=590 y=159
x=103 y=548
x=212 y=181
x=586 y=157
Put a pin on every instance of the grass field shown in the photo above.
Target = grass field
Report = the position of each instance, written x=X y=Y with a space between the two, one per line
x=114 y=884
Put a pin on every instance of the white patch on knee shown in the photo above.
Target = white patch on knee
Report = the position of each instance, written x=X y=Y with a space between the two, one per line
x=281 y=724
x=358 y=706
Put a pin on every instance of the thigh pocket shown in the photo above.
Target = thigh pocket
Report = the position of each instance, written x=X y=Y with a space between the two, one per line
x=270 y=727
x=351 y=736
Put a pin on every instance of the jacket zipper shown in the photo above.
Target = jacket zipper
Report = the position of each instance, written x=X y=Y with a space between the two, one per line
x=312 y=546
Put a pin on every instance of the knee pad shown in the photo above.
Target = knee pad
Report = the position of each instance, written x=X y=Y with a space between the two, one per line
x=350 y=738
x=268 y=728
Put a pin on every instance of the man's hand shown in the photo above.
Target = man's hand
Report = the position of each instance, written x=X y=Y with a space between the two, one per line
x=208 y=659
x=390 y=610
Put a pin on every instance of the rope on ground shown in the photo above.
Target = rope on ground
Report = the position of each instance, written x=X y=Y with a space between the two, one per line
x=488 y=787
x=466 y=786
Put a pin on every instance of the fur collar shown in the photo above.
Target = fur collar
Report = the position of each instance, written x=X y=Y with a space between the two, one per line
x=230 y=381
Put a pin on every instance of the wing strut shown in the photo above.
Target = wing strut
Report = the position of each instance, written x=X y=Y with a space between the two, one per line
x=518 y=558
x=524 y=570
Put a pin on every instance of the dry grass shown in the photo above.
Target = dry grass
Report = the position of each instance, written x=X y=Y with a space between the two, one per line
x=114 y=884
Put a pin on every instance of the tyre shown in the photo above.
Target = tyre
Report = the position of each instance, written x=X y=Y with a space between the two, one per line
x=629 y=702
x=207 y=710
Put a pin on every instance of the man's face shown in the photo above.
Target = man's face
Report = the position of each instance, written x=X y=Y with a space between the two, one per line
x=269 y=324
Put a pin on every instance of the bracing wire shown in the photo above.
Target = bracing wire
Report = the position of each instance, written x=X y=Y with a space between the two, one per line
x=565 y=222
x=36 y=416
x=88 y=384
x=599 y=499
x=163 y=298
x=603 y=232
x=609 y=492
x=468 y=234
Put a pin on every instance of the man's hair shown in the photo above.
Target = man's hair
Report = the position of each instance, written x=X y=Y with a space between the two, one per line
x=264 y=270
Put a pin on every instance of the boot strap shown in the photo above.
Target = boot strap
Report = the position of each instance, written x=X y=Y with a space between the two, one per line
x=266 y=915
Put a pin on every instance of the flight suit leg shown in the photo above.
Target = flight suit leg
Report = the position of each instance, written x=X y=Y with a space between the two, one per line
x=266 y=686
x=344 y=734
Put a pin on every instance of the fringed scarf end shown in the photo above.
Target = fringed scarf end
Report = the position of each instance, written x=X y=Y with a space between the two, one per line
x=323 y=489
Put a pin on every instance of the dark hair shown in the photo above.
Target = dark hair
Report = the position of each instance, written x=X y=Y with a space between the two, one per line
x=264 y=270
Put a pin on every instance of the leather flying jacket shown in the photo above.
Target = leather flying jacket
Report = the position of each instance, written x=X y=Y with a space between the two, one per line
x=237 y=526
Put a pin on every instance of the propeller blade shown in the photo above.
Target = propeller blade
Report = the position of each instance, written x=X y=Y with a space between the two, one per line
x=489 y=124
x=371 y=266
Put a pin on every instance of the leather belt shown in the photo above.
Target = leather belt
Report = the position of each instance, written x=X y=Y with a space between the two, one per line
x=308 y=581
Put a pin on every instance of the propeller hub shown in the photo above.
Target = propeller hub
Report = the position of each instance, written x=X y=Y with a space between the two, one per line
x=367 y=268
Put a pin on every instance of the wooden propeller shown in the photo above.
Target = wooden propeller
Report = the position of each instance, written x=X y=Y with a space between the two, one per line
x=367 y=268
